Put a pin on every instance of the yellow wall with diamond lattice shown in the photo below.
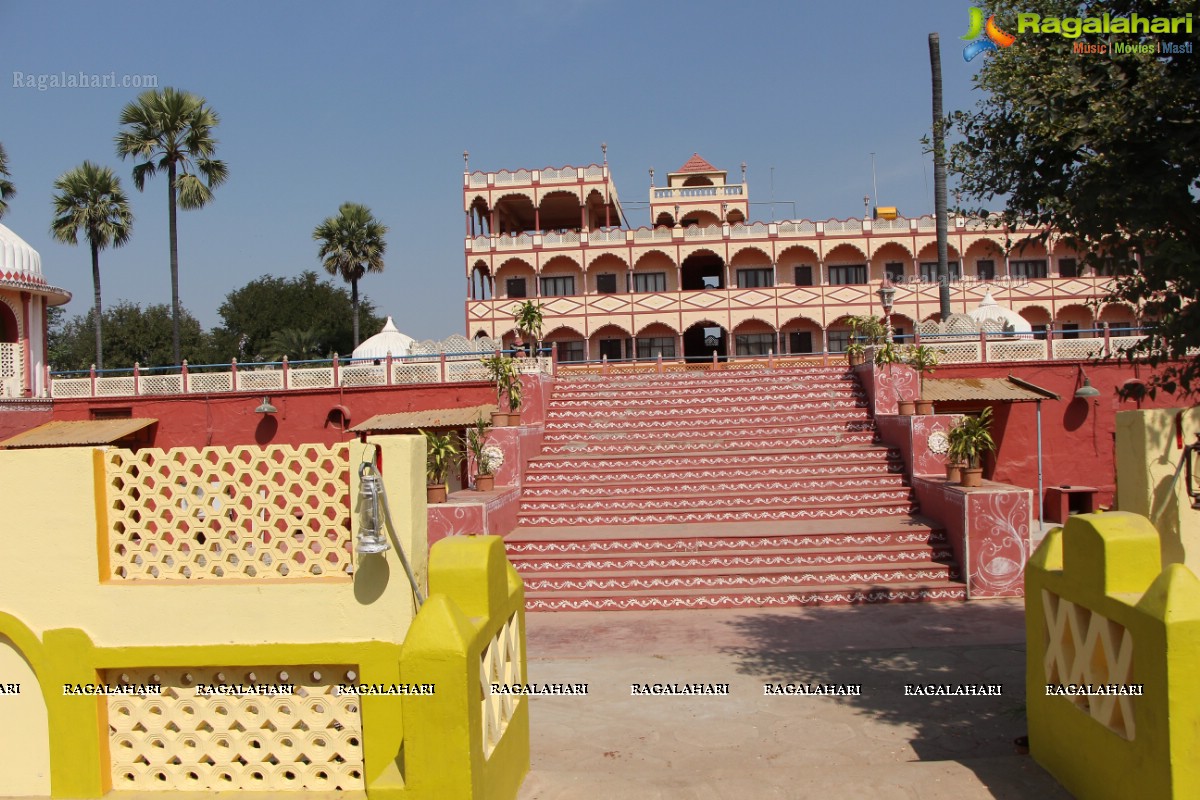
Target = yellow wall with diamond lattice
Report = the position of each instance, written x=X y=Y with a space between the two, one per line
x=55 y=531
x=1100 y=611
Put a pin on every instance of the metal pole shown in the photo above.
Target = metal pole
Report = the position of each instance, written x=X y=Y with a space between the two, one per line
x=1041 y=522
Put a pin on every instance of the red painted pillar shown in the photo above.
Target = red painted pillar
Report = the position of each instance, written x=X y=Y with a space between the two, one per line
x=982 y=346
x=184 y=373
x=1050 y=341
x=336 y=372
x=285 y=373
x=137 y=378
x=27 y=351
x=233 y=375
x=442 y=368
x=387 y=379
x=93 y=375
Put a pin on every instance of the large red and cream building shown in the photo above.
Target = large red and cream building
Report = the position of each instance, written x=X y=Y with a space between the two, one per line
x=704 y=277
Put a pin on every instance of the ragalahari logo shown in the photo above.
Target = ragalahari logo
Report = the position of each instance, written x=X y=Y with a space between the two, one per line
x=995 y=37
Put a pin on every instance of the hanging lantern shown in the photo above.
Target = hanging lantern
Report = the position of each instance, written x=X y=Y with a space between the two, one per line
x=371 y=538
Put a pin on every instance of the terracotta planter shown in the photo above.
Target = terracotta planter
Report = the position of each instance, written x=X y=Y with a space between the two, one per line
x=485 y=483
x=435 y=494
x=514 y=418
x=953 y=473
x=854 y=359
x=924 y=407
x=499 y=419
x=972 y=476
x=906 y=408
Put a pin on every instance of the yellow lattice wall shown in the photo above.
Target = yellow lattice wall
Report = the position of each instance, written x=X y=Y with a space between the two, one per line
x=188 y=739
x=228 y=513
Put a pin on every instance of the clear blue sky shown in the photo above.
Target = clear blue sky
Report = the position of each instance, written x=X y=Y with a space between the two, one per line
x=374 y=103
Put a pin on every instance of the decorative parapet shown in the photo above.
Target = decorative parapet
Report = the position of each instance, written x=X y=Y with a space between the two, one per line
x=470 y=634
x=1100 y=612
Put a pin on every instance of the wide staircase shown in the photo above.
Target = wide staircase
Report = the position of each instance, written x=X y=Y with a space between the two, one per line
x=732 y=488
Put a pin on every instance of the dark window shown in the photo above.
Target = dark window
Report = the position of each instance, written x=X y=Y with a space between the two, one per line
x=606 y=283
x=1120 y=327
x=838 y=341
x=751 y=278
x=125 y=412
x=898 y=334
x=515 y=287
x=800 y=342
x=649 y=281
x=1107 y=267
x=610 y=349
x=1068 y=268
x=1070 y=330
x=894 y=271
x=558 y=286
x=1039 y=331
x=804 y=275
x=570 y=351
x=1027 y=269
x=848 y=274
x=929 y=271
x=654 y=346
x=986 y=270
x=753 y=344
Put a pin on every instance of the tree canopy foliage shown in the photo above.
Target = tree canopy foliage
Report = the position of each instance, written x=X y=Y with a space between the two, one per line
x=1104 y=148
x=255 y=316
x=131 y=334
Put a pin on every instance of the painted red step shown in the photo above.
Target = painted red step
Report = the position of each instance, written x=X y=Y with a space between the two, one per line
x=721 y=514
x=657 y=444
x=651 y=484
x=855 y=594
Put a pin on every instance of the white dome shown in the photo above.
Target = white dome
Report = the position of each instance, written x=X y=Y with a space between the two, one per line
x=16 y=256
x=990 y=311
x=388 y=340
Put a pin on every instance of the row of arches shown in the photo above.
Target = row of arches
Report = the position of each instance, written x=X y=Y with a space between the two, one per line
x=558 y=209
x=800 y=335
x=657 y=270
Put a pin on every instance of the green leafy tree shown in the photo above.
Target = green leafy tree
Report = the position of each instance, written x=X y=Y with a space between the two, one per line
x=1105 y=149
x=7 y=190
x=131 y=334
x=90 y=200
x=172 y=130
x=352 y=245
x=253 y=314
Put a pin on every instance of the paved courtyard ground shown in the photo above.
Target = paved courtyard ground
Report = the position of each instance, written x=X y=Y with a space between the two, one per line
x=881 y=745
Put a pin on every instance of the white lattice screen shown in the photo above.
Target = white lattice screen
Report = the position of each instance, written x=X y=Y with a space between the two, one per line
x=186 y=740
x=229 y=513
x=500 y=663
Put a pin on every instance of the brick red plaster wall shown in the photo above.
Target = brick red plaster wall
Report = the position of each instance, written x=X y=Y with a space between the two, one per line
x=229 y=419
x=1078 y=435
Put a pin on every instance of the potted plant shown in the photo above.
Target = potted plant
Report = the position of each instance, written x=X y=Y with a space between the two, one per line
x=441 y=453
x=485 y=481
x=512 y=395
x=502 y=370
x=863 y=328
x=923 y=359
x=527 y=316
x=970 y=440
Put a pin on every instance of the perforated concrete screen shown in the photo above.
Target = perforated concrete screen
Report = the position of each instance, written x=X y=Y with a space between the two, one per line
x=269 y=728
x=220 y=513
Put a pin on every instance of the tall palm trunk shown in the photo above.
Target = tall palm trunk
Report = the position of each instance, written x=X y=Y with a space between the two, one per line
x=939 y=175
x=354 y=303
x=96 y=289
x=174 y=235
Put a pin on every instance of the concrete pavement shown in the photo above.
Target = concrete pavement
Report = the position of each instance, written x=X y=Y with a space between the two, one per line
x=879 y=745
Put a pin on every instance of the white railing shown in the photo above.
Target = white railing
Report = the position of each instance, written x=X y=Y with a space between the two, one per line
x=283 y=376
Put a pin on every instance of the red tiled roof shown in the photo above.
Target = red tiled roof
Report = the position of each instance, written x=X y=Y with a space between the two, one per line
x=697 y=164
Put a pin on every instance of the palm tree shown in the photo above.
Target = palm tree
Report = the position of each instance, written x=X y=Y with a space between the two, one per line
x=296 y=344
x=90 y=199
x=172 y=130
x=352 y=245
x=7 y=189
